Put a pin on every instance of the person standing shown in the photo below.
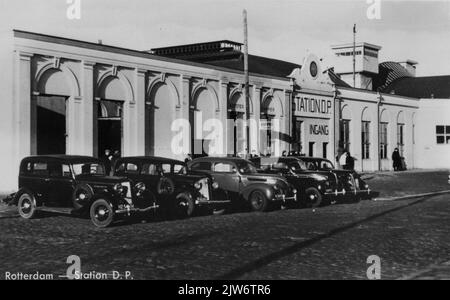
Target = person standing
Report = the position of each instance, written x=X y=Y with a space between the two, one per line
x=349 y=162
x=396 y=160
x=106 y=159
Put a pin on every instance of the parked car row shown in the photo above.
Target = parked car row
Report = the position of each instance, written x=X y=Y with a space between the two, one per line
x=152 y=185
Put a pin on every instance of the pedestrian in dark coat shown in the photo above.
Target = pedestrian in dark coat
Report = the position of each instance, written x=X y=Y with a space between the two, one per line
x=350 y=162
x=396 y=160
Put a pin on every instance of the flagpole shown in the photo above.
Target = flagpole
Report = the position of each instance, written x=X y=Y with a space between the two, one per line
x=354 y=55
x=247 y=80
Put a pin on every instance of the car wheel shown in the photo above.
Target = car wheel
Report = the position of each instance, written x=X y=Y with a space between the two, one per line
x=185 y=206
x=259 y=201
x=27 y=206
x=313 y=198
x=102 y=213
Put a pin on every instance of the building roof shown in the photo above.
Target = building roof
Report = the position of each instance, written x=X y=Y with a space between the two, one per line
x=420 y=87
x=350 y=45
x=148 y=55
x=336 y=79
x=257 y=65
x=388 y=72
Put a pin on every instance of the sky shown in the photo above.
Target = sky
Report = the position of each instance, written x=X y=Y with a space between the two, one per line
x=282 y=29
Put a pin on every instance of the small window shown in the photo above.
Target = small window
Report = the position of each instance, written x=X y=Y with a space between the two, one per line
x=442 y=134
x=149 y=169
x=177 y=168
x=223 y=168
x=120 y=168
x=201 y=166
x=132 y=168
x=166 y=168
x=66 y=171
x=40 y=169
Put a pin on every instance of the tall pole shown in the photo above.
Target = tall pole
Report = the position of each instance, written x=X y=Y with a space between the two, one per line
x=247 y=80
x=354 y=55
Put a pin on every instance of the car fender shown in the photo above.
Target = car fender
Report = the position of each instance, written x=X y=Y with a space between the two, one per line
x=20 y=193
x=105 y=196
x=266 y=189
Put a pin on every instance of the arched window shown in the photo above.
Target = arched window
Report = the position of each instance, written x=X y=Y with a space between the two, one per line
x=365 y=134
x=344 y=132
x=384 y=123
x=400 y=132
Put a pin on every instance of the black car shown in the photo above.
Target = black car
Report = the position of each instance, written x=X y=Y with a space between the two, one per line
x=348 y=181
x=77 y=185
x=174 y=190
x=247 y=187
x=313 y=187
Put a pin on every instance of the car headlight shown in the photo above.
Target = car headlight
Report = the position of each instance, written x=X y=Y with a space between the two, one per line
x=294 y=191
x=140 y=187
x=198 y=185
x=215 y=185
x=118 y=188
x=276 y=187
x=366 y=186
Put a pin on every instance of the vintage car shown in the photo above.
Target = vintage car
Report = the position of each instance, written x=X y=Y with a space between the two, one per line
x=247 y=187
x=77 y=185
x=313 y=187
x=175 y=191
x=348 y=181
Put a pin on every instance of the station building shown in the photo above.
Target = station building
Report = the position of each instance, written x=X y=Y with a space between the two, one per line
x=65 y=96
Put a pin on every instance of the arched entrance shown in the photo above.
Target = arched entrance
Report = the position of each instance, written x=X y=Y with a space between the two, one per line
x=160 y=116
x=237 y=133
x=49 y=107
x=204 y=109
x=271 y=111
x=108 y=110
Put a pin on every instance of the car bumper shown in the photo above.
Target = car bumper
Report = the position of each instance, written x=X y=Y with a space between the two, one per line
x=285 y=199
x=128 y=210
x=211 y=202
x=350 y=194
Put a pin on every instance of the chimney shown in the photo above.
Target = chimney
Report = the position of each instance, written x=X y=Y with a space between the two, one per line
x=410 y=66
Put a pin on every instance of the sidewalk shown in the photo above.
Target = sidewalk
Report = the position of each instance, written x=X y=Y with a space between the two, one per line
x=407 y=183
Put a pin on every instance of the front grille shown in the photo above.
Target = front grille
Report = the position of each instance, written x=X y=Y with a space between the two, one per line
x=127 y=189
x=204 y=191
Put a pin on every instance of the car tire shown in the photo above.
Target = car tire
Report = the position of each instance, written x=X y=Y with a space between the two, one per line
x=184 y=206
x=27 y=206
x=259 y=201
x=313 y=198
x=102 y=213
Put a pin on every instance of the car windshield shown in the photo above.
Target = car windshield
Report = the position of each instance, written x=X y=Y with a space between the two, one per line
x=297 y=166
x=325 y=165
x=89 y=169
x=246 y=167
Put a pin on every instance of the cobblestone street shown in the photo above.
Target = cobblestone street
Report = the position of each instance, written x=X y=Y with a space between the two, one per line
x=411 y=238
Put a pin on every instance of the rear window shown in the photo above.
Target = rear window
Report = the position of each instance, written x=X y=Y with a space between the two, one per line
x=40 y=169
x=201 y=166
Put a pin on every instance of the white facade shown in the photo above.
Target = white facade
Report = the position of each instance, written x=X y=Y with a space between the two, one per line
x=428 y=153
x=93 y=86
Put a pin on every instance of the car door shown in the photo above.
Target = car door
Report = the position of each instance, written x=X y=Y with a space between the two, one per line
x=60 y=185
x=36 y=180
x=225 y=173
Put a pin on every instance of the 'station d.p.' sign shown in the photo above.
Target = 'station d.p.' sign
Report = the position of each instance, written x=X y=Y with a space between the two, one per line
x=311 y=106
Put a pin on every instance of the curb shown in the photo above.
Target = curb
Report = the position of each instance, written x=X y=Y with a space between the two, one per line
x=413 y=196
